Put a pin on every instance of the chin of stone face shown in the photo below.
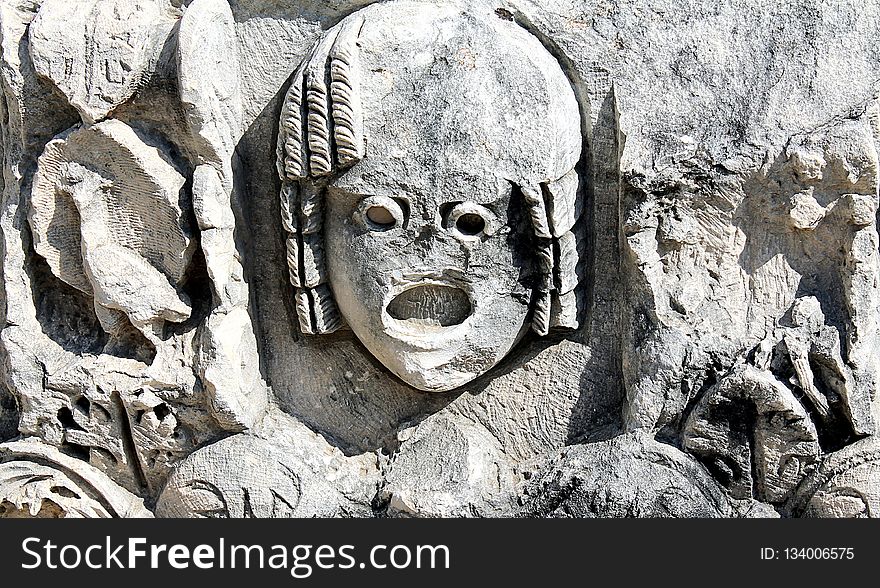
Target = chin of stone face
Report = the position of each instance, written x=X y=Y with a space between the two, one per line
x=436 y=258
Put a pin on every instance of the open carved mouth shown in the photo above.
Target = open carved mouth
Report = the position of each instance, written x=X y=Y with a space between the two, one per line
x=431 y=305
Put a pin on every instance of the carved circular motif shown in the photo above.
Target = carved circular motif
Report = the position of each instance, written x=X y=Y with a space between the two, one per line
x=847 y=485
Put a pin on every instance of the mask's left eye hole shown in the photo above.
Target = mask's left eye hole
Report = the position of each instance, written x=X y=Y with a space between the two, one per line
x=379 y=214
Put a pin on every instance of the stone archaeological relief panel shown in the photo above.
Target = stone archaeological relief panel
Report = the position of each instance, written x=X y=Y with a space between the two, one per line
x=439 y=258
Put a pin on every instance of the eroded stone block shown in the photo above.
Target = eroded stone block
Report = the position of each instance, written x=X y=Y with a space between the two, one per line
x=98 y=52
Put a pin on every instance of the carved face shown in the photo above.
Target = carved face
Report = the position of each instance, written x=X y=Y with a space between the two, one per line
x=451 y=198
x=429 y=277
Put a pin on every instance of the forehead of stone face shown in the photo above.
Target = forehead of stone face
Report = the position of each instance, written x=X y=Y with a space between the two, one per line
x=453 y=99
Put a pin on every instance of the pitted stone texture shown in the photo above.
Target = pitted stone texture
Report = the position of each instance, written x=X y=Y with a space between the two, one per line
x=734 y=203
x=723 y=252
x=448 y=467
x=99 y=401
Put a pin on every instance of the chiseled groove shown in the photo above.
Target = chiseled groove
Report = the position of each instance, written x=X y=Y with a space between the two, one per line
x=327 y=317
x=546 y=264
x=537 y=212
x=304 y=311
x=311 y=210
x=345 y=96
x=541 y=313
x=293 y=148
x=320 y=157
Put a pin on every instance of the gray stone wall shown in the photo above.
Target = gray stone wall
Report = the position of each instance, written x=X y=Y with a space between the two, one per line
x=439 y=258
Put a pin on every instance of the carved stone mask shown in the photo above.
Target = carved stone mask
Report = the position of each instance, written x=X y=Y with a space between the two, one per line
x=428 y=155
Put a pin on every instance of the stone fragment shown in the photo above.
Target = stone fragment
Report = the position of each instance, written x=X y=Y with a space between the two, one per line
x=209 y=74
x=107 y=214
x=228 y=365
x=806 y=213
x=629 y=476
x=813 y=348
x=244 y=476
x=754 y=435
x=98 y=52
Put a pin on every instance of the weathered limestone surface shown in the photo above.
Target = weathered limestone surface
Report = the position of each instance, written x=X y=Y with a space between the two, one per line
x=428 y=258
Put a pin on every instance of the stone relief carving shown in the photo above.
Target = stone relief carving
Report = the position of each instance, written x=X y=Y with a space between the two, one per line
x=438 y=258
x=844 y=487
x=105 y=213
x=528 y=259
x=39 y=481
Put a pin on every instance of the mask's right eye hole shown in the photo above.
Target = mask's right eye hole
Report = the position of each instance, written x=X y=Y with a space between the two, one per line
x=469 y=221
x=379 y=214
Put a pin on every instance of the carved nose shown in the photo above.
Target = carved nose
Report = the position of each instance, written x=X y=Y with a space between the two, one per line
x=431 y=305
